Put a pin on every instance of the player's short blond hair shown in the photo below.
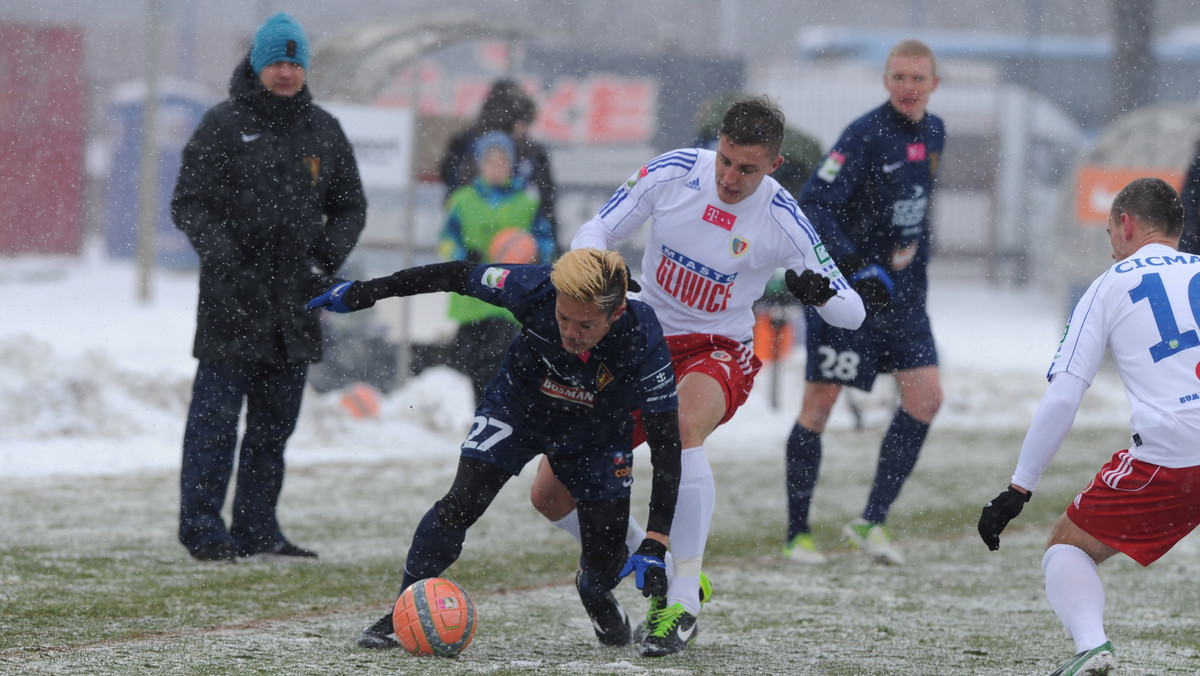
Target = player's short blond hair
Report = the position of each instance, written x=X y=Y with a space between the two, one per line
x=914 y=48
x=596 y=276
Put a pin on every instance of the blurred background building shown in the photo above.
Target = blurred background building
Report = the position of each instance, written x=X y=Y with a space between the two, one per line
x=1031 y=94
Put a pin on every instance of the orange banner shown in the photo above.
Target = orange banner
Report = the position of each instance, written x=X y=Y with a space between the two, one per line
x=1096 y=187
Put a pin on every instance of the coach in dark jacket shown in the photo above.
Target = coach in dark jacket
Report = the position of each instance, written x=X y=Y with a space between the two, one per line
x=269 y=195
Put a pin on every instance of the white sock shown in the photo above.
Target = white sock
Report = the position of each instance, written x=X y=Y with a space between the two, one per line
x=1076 y=594
x=570 y=523
x=689 y=532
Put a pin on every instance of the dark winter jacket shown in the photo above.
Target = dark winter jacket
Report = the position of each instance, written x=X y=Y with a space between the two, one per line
x=270 y=196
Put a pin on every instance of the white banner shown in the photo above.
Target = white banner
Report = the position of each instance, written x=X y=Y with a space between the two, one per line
x=383 y=142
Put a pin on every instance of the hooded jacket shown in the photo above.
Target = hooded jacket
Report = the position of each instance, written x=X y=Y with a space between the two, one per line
x=269 y=195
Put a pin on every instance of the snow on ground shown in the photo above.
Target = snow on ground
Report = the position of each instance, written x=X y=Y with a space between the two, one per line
x=94 y=380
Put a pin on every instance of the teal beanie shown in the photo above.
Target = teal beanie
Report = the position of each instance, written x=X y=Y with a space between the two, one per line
x=279 y=39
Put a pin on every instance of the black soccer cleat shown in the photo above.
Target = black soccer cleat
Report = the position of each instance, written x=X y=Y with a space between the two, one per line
x=281 y=551
x=608 y=617
x=673 y=630
x=378 y=636
x=217 y=551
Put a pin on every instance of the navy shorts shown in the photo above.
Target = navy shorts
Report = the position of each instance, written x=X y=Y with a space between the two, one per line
x=898 y=339
x=593 y=459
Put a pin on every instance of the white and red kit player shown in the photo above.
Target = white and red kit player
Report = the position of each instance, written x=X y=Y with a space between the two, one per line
x=721 y=226
x=1145 y=309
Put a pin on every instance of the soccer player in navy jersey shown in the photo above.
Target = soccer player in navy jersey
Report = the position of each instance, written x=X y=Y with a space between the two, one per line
x=585 y=359
x=870 y=202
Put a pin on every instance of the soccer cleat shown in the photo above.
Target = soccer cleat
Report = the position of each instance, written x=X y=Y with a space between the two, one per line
x=874 y=539
x=1095 y=662
x=608 y=617
x=217 y=551
x=657 y=603
x=640 y=632
x=281 y=551
x=803 y=549
x=378 y=636
x=674 y=628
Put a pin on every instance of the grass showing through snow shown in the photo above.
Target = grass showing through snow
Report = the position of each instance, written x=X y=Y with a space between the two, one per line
x=92 y=580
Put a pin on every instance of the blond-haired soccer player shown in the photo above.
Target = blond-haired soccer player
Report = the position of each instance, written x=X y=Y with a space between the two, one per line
x=585 y=359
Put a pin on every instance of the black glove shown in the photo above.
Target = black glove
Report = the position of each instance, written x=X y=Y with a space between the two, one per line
x=648 y=562
x=810 y=288
x=997 y=513
x=874 y=284
x=634 y=287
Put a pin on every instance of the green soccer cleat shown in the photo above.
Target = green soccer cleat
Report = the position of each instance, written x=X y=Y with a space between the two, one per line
x=1095 y=662
x=874 y=539
x=657 y=603
x=640 y=632
x=803 y=549
x=674 y=629
x=706 y=589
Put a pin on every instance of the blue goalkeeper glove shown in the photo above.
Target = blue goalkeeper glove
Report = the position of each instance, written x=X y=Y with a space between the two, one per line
x=651 y=570
x=874 y=284
x=335 y=297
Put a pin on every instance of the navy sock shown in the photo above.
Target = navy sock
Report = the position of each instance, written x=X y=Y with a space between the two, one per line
x=803 y=464
x=434 y=548
x=897 y=457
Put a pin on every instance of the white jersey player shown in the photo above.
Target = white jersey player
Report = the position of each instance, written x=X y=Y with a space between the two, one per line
x=720 y=228
x=706 y=261
x=1144 y=309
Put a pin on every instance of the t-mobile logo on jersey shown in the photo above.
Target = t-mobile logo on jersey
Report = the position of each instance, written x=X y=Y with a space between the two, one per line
x=722 y=219
x=693 y=284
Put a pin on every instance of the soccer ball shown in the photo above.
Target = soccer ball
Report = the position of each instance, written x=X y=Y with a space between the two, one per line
x=513 y=245
x=434 y=617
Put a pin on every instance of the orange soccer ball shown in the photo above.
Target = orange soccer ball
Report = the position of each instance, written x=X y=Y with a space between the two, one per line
x=513 y=245
x=434 y=617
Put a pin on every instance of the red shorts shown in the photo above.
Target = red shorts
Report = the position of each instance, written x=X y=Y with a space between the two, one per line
x=1139 y=508
x=732 y=364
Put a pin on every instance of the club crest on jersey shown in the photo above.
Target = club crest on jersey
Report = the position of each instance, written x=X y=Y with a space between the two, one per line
x=916 y=152
x=738 y=246
x=719 y=217
x=721 y=355
x=618 y=457
x=494 y=277
x=603 y=377
x=831 y=167
x=575 y=395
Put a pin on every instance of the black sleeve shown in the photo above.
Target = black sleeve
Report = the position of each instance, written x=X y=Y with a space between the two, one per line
x=1189 y=241
x=662 y=433
x=449 y=276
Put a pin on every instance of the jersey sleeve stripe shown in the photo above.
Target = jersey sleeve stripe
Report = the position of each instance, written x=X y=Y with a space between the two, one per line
x=787 y=203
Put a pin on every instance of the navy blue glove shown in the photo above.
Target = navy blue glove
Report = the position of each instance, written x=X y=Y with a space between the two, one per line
x=342 y=297
x=874 y=284
x=810 y=288
x=997 y=513
x=651 y=570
